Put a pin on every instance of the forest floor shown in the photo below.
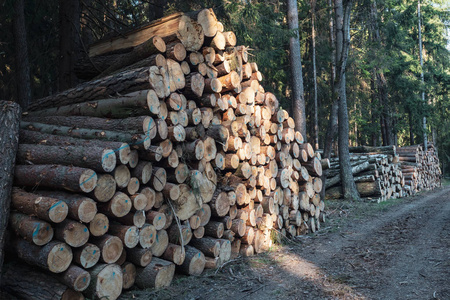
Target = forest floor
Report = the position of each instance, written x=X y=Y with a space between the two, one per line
x=399 y=249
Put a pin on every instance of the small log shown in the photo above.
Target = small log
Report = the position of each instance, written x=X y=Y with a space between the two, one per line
x=72 y=232
x=129 y=235
x=111 y=247
x=160 y=244
x=99 y=225
x=86 y=256
x=129 y=275
x=147 y=236
x=139 y=256
x=208 y=246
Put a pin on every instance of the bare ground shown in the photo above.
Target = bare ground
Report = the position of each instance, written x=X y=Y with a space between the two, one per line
x=398 y=249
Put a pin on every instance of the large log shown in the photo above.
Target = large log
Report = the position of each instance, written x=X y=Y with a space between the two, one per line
x=45 y=208
x=54 y=256
x=129 y=105
x=9 y=139
x=56 y=176
x=30 y=228
x=151 y=46
x=122 y=83
x=139 y=141
x=97 y=159
x=368 y=149
x=26 y=282
x=122 y=150
x=142 y=124
x=176 y=26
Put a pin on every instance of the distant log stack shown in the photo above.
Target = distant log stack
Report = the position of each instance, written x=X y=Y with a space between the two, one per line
x=192 y=164
x=387 y=172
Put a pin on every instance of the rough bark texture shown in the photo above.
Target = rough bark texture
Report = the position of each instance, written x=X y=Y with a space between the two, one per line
x=9 y=140
x=125 y=82
x=298 y=100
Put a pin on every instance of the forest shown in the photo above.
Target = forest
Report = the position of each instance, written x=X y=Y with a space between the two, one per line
x=392 y=98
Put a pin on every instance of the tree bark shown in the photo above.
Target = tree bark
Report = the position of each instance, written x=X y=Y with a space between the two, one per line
x=298 y=100
x=23 y=80
x=9 y=140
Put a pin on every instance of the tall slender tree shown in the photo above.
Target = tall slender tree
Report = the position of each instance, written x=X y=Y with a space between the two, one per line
x=298 y=100
x=425 y=138
x=23 y=79
x=342 y=20
x=313 y=44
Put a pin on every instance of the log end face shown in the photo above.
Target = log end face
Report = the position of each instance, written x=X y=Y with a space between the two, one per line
x=88 y=181
x=112 y=250
x=59 y=258
x=58 y=212
x=87 y=210
x=108 y=160
x=109 y=282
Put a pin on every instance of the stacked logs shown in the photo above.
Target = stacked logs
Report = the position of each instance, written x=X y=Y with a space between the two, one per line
x=387 y=172
x=377 y=177
x=194 y=163
x=420 y=168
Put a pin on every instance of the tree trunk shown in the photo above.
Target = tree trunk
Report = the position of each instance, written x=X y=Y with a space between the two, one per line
x=9 y=140
x=342 y=20
x=316 y=107
x=298 y=100
x=69 y=22
x=23 y=79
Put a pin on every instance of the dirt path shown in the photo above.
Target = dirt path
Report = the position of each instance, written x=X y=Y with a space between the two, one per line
x=398 y=250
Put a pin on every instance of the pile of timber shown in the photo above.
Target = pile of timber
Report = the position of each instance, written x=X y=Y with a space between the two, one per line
x=387 y=172
x=420 y=168
x=175 y=161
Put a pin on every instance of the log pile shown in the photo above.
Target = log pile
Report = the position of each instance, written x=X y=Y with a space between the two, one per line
x=420 y=168
x=175 y=161
x=387 y=172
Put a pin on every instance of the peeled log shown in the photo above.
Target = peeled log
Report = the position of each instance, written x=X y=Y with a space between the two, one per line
x=55 y=176
x=159 y=273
